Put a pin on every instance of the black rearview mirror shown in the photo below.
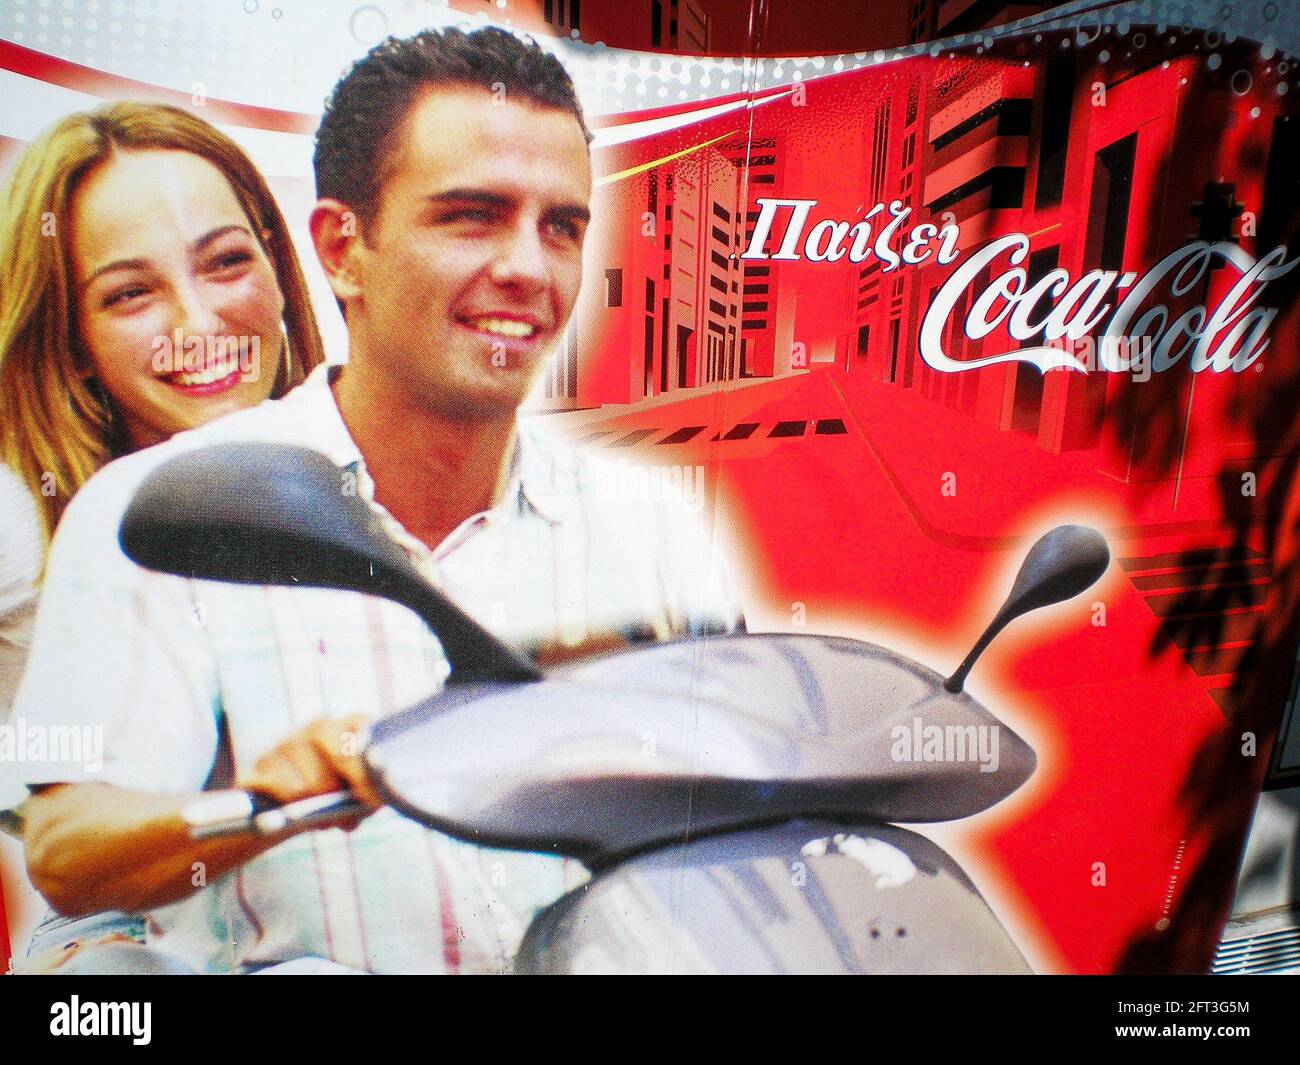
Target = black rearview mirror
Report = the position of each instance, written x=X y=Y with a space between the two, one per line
x=258 y=513
x=1061 y=564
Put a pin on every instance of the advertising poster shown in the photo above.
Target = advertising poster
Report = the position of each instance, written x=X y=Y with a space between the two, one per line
x=879 y=295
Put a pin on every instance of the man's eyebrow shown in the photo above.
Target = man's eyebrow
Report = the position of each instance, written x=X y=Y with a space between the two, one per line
x=571 y=212
x=486 y=198
x=196 y=248
x=482 y=196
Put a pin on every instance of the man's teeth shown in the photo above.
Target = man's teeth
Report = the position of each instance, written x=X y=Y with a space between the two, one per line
x=505 y=327
x=218 y=372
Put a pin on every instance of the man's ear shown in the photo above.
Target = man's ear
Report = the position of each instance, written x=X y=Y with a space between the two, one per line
x=336 y=235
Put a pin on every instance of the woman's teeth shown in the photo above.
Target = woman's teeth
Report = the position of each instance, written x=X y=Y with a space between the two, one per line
x=505 y=327
x=217 y=372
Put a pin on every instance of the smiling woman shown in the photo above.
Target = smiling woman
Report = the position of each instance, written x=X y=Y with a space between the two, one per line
x=151 y=286
x=163 y=258
x=123 y=225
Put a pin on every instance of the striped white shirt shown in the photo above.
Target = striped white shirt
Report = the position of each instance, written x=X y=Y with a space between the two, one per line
x=159 y=662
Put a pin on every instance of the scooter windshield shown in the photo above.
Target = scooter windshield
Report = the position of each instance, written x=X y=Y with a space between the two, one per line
x=693 y=737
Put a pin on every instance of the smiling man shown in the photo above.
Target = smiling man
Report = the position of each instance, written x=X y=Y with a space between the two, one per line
x=454 y=244
x=454 y=180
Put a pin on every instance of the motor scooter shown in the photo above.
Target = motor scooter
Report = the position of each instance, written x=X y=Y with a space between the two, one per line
x=734 y=796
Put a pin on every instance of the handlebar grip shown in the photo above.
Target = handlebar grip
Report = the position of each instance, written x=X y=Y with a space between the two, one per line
x=228 y=813
x=309 y=811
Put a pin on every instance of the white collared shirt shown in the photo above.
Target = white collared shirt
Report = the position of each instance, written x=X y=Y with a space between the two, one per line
x=161 y=665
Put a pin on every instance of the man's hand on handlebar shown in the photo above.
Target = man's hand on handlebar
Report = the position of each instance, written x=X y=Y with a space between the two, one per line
x=93 y=847
x=322 y=757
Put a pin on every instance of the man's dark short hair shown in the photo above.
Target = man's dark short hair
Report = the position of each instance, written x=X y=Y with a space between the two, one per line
x=356 y=141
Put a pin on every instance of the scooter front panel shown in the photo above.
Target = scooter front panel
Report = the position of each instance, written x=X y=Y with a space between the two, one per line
x=805 y=897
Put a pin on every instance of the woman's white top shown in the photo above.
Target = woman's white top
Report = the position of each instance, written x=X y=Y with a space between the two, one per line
x=20 y=568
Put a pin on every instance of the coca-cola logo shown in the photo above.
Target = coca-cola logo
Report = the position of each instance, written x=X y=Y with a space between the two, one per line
x=1230 y=336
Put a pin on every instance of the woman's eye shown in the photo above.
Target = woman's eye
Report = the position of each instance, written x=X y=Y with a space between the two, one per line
x=123 y=295
x=231 y=259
